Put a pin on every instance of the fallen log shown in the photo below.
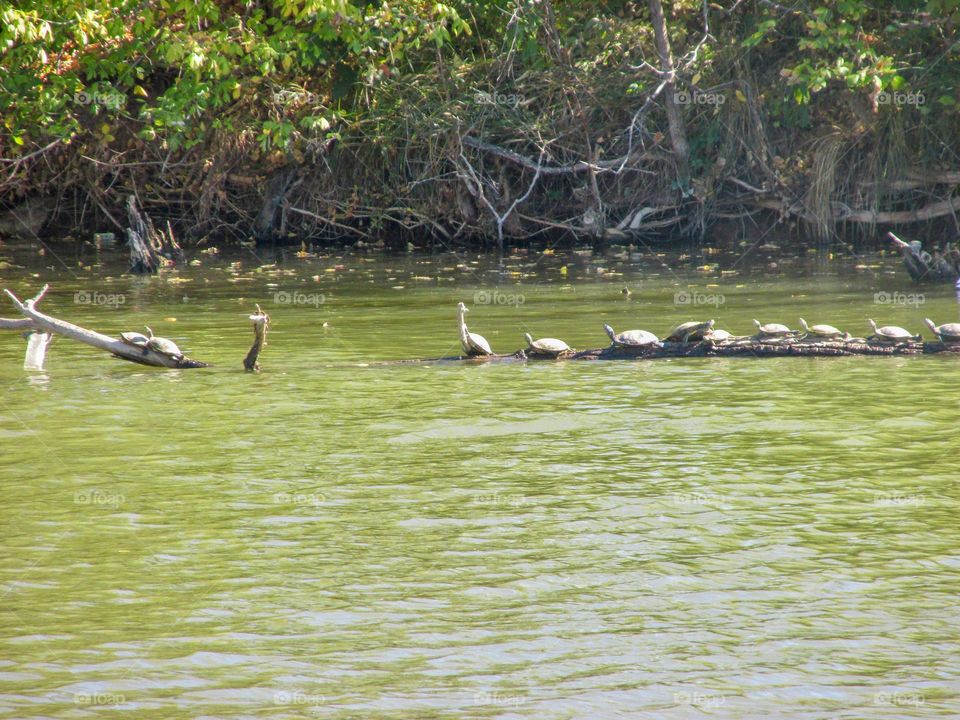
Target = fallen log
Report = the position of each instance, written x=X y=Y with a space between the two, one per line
x=49 y=324
x=745 y=346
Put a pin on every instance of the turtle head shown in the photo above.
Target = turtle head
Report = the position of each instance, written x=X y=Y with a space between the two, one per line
x=803 y=324
x=529 y=338
x=872 y=324
x=149 y=331
x=710 y=324
x=930 y=324
x=757 y=323
x=462 y=308
x=610 y=331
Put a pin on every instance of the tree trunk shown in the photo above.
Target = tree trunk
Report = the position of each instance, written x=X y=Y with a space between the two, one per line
x=678 y=133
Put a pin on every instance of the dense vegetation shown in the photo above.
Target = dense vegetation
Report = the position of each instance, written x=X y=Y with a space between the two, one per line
x=497 y=119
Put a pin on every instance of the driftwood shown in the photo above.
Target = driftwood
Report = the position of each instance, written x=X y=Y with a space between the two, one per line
x=746 y=346
x=46 y=323
x=939 y=267
x=147 y=246
x=37 y=344
x=261 y=323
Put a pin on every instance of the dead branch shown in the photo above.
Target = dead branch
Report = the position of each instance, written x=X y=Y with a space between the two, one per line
x=517 y=159
x=261 y=323
x=47 y=323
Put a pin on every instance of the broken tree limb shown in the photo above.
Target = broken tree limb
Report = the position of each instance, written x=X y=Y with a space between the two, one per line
x=148 y=248
x=17 y=324
x=143 y=356
x=922 y=265
x=261 y=323
x=144 y=254
x=37 y=344
x=516 y=158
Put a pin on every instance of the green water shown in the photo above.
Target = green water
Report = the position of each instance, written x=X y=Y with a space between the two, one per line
x=341 y=538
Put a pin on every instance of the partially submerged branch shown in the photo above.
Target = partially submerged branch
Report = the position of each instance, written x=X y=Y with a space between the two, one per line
x=261 y=323
x=142 y=355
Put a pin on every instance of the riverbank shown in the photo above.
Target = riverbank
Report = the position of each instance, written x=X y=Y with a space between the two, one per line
x=554 y=123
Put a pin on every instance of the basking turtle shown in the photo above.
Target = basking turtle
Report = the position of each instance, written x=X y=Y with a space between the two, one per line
x=718 y=336
x=163 y=346
x=134 y=338
x=948 y=332
x=549 y=347
x=688 y=331
x=827 y=332
x=772 y=330
x=891 y=333
x=472 y=343
x=632 y=338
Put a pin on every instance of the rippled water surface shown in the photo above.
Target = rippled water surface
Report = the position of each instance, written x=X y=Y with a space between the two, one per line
x=340 y=537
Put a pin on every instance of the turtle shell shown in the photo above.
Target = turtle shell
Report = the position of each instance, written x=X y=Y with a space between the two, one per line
x=692 y=330
x=549 y=346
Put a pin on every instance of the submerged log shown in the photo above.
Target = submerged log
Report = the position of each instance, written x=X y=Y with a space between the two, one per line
x=49 y=324
x=746 y=346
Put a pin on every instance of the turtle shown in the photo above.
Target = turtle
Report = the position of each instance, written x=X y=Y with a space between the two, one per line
x=163 y=346
x=948 y=332
x=891 y=333
x=472 y=343
x=134 y=338
x=718 y=336
x=693 y=330
x=772 y=330
x=827 y=332
x=632 y=338
x=549 y=347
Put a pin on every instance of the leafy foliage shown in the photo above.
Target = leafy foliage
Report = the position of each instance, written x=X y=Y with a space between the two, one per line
x=178 y=67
